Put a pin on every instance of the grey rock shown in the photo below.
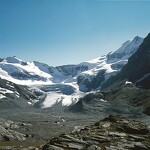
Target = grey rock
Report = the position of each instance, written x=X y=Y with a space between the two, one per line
x=93 y=147
x=6 y=132
x=107 y=134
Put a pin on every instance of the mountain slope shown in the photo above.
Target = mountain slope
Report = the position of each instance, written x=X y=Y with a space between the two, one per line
x=137 y=69
x=16 y=96
x=126 y=50
x=128 y=92
x=51 y=81
x=108 y=66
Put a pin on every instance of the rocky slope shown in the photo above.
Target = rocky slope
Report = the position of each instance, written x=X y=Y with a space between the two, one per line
x=16 y=96
x=8 y=130
x=137 y=70
x=124 y=99
x=127 y=90
x=107 y=66
x=111 y=133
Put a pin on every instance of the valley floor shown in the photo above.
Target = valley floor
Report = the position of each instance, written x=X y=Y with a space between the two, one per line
x=45 y=124
x=48 y=123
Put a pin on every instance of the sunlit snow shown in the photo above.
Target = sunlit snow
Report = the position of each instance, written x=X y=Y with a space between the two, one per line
x=36 y=74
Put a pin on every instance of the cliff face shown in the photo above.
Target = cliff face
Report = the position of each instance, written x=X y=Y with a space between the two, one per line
x=138 y=65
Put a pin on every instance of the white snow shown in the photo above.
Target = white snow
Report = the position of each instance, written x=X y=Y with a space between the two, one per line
x=10 y=85
x=2 y=96
x=128 y=82
x=37 y=73
x=116 y=58
x=11 y=65
x=3 y=74
x=53 y=98
x=103 y=100
x=29 y=103
x=126 y=50
x=4 y=91
x=52 y=75
x=100 y=64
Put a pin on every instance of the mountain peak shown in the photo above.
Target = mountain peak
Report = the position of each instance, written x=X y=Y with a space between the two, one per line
x=137 y=39
x=13 y=59
x=126 y=50
x=137 y=68
x=126 y=43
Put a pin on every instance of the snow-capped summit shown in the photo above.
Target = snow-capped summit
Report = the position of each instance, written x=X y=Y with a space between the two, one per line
x=21 y=72
x=104 y=67
x=56 y=81
x=125 y=51
x=13 y=59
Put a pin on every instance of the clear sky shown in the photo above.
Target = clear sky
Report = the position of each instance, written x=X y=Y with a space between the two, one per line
x=60 y=32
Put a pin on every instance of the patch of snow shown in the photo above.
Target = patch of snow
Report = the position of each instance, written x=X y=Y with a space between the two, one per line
x=94 y=62
x=29 y=103
x=2 y=96
x=3 y=73
x=33 y=70
x=17 y=94
x=4 y=91
x=56 y=76
x=10 y=85
x=103 y=100
x=128 y=82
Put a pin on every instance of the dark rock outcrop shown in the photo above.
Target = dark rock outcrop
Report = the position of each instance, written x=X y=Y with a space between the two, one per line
x=91 y=83
x=137 y=69
x=90 y=103
x=110 y=133
x=72 y=70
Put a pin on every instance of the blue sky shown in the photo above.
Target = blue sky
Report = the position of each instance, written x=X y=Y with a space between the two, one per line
x=60 y=32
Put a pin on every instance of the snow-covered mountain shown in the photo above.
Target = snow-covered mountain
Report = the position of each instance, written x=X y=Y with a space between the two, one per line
x=67 y=83
x=103 y=67
x=137 y=70
x=125 y=51
x=16 y=96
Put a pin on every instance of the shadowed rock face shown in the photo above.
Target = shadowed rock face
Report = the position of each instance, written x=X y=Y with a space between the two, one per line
x=87 y=85
x=15 y=96
x=110 y=133
x=137 y=69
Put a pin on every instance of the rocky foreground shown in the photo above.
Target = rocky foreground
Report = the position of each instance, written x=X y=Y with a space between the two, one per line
x=7 y=130
x=111 y=133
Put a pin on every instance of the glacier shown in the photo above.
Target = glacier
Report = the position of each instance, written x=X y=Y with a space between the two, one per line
x=67 y=83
